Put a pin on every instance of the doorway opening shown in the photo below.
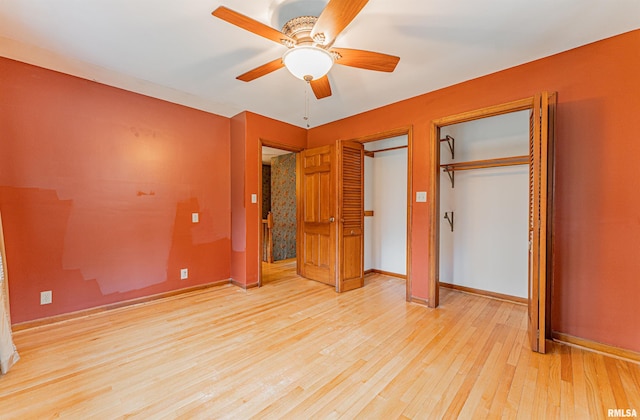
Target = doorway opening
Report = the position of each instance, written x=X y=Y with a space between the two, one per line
x=278 y=221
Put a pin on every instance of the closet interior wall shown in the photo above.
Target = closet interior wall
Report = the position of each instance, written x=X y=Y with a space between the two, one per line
x=385 y=193
x=488 y=247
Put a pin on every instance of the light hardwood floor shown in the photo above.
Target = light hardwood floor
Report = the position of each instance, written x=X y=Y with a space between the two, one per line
x=296 y=349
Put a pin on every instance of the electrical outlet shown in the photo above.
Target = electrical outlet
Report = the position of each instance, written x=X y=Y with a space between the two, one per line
x=195 y=217
x=184 y=273
x=46 y=297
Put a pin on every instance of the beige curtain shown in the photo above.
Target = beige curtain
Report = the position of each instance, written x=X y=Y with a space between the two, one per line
x=8 y=353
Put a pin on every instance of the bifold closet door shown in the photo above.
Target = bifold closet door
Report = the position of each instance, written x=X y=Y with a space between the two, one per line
x=351 y=220
x=541 y=129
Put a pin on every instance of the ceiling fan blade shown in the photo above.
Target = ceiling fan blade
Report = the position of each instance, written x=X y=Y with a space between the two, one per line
x=250 y=25
x=334 y=18
x=368 y=60
x=261 y=70
x=321 y=87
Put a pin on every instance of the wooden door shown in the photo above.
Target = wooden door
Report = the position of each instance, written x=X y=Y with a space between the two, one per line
x=541 y=129
x=316 y=249
x=331 y=215
x=351 y=216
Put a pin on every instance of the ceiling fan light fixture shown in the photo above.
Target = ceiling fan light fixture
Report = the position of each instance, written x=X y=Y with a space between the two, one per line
x=307 y=62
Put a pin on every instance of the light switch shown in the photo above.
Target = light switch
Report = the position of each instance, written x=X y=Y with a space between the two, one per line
x=421 y=197
x=195 y=218
x=254 y=198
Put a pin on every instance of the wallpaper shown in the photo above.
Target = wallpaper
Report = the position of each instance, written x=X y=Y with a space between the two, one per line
x=283 y=206
x=266 y=190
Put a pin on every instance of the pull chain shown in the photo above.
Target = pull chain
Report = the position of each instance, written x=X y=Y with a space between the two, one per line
x=306 y=104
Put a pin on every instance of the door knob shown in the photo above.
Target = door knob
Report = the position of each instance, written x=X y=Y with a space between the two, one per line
x=332 y=219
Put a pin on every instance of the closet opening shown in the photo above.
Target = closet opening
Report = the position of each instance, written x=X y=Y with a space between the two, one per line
x=492 y=206
x=385 y=198
x=484 y=206
x=387 y=206
x=278 y=221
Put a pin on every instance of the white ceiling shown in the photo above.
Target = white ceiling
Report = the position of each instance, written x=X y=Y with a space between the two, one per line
x=177 y=51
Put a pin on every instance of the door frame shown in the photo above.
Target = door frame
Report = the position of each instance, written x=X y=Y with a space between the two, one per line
x=528 y=103
x=269 y=143
x=401 y=131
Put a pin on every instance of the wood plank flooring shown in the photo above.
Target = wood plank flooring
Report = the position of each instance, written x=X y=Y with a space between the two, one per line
x=296 y=349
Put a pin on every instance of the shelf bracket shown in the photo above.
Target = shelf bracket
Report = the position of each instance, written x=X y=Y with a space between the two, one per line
x=449 y=217
x=452 y=175
x=452 y=145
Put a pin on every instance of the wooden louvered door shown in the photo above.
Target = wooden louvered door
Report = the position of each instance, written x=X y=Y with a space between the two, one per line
x=351 y=216
x=540 y=195
x=316 y=252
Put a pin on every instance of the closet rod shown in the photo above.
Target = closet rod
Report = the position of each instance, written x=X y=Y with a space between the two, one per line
x=487 y=163
x=387 y=149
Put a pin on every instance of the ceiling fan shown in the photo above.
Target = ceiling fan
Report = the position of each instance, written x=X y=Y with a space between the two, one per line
x=309 y=40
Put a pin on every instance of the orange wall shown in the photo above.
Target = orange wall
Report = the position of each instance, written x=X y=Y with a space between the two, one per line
x=246 y=215
x=597 y=235
x=97 y=187
x=238 y=201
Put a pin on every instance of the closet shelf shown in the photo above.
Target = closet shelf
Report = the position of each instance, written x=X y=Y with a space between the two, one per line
x=487 y=163
x=451 y=168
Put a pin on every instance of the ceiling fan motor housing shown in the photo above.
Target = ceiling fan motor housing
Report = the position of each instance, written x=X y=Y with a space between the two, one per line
x=299 y=28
